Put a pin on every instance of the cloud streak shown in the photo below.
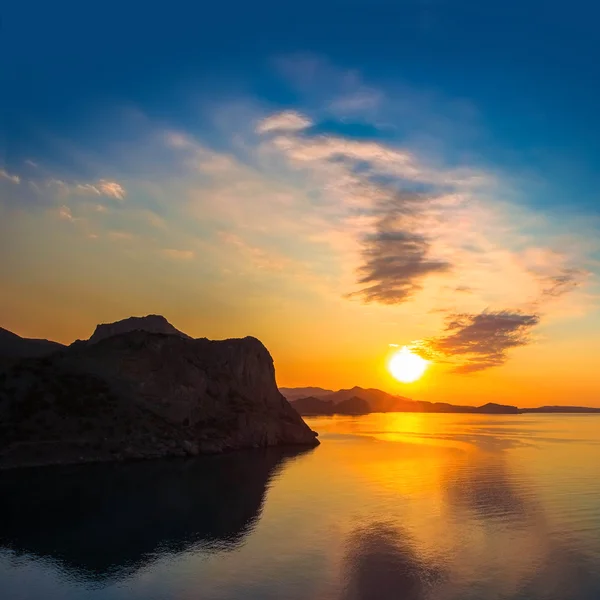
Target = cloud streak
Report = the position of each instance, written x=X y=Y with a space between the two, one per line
x=288 y=120
x=102 y=187
x=9 y=176
x=480 y=341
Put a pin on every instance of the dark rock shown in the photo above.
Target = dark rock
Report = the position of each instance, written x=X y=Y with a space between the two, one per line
x=13 y=346
x=141 y=394
x=149 y=323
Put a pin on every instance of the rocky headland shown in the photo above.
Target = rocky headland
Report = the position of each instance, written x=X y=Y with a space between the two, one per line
x=139 y=388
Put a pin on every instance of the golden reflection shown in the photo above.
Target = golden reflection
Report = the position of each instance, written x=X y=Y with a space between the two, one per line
x=424 y=490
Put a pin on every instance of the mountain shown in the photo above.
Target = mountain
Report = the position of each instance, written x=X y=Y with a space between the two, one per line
x=141 y=394
x=149 y=323
x=353 y=406
x=378 y=400
x=313 y=406
x=491 y=408
x=303 y=392
x=14 y=346
x=561 y=409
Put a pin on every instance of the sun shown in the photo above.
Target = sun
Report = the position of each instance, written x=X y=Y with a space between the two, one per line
x=406 y=366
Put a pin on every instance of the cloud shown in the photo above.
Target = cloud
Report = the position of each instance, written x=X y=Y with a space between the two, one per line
x=288 y=120
x=396 y=259
x=12 y=178
x=64 y=213
x=111 y=189
x=480 y=341
x=374 y=159
x=557 y=285
x=178 y=254
x=360 y=101
x=258 y=257
x=340 y=92
x=381 y=222
x=102 y=187
x=408 y=226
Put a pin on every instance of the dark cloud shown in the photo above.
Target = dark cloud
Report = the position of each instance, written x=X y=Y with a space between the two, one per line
x=395 y=259
x=482 y=340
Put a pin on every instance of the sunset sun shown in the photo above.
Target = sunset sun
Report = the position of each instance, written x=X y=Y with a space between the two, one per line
x=406 y=366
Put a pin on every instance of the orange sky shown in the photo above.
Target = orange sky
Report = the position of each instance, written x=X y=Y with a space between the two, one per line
x=326 y=266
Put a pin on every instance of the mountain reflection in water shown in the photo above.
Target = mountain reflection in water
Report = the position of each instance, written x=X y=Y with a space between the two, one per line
x=108 y=520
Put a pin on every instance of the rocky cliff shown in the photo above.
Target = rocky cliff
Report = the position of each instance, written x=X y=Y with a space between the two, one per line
x=141 y=394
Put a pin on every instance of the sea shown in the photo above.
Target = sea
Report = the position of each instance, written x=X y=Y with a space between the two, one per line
x=400 y=506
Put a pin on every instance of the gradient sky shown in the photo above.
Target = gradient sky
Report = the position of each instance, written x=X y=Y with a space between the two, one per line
x=331 y=177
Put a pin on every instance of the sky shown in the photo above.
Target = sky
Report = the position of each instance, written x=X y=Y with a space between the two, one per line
x=335 y=178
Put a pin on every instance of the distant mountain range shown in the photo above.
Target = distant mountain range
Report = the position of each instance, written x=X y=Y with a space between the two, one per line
x=302 y=392
x=359 y=400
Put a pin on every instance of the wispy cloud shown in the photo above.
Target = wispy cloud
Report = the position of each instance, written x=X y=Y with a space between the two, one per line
x=102 y=187
x=288 y=120
x=10 y=177
x=562 y=283
x=64 y=213
x=341 y=92
x=259 y=257
x=373 y=159
x=361 y=101
x=112 y=189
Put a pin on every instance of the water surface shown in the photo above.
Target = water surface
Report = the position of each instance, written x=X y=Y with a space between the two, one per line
x=397 y=506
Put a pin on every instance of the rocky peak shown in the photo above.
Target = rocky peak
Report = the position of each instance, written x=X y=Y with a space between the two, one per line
x=149 y=323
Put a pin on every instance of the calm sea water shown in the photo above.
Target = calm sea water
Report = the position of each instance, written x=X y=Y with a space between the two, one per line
x=397 y=506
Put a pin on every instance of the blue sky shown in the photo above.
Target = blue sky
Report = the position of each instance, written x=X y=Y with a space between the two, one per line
x=262 y=156
x=528 y=70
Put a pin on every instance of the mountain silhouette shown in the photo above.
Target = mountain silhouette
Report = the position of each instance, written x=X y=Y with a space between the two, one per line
x=131 y=393
x=13 y=346
x=381 y=401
